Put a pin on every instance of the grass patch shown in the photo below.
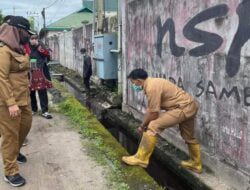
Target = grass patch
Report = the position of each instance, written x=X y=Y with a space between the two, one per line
x=103 y=147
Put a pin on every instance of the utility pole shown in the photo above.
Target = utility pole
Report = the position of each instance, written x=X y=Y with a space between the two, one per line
x=44 y=25
x=44 y=18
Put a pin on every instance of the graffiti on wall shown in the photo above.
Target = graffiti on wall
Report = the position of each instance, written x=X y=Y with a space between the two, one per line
x=210 y=89
x=210 y=41
x=221 y=82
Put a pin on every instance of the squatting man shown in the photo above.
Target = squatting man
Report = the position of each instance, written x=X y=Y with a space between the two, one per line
x=180 y=108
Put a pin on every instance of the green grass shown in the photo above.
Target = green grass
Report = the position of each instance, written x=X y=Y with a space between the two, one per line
x=103 y=147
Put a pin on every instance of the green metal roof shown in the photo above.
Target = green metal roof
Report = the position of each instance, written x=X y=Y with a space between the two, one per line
x=109 y=5
x=73 y=20
x=88 y=4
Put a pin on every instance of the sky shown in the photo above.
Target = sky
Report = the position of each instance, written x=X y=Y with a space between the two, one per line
x=26 y=8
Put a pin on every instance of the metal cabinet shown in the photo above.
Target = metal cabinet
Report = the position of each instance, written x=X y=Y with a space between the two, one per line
x=106 y=62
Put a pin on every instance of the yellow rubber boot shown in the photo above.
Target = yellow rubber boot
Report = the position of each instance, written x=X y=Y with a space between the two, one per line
x=194 y=163
x=145 y=149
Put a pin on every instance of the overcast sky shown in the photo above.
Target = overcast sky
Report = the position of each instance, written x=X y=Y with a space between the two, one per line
x=34 y=7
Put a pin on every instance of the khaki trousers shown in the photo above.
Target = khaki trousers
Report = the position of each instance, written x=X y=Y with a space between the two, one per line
x=184 y=117
x=13 y=132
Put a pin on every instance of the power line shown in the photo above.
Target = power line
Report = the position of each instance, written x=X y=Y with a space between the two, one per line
x=51 y=4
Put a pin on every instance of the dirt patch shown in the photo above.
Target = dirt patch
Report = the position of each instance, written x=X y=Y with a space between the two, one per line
x=57 y=160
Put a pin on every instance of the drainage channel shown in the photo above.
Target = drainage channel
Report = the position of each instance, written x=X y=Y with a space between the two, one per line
x=155 y=169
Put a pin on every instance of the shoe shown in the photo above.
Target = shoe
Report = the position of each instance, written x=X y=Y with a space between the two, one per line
x=47 y=115
x=146 y=147
x=194 y=163
x=21 y=159
x=15 y=180
x=34 y=112
x=25 y=143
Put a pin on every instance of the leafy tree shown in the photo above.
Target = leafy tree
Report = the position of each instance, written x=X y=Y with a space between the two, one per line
x=32 y=22
x=1 y=17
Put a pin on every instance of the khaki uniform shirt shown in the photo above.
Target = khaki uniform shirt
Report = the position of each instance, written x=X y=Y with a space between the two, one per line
x=164 y=95
x=14 y=83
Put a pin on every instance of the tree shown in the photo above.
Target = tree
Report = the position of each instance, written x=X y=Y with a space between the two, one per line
x=32 y=22
x=1 y=17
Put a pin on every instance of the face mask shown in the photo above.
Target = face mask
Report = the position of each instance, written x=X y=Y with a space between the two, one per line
x=136 y=88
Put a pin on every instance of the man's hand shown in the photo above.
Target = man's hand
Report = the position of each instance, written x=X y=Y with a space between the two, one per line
x=14 y=111
x=141 y=129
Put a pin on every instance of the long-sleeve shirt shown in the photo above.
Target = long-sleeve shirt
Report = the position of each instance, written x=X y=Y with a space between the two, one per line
x=14 y=83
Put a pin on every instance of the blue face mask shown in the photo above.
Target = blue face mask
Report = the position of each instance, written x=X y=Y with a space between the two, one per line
x=136 y=88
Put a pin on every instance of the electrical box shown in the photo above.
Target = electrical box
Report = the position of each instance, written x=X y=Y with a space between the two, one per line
x=106 y=61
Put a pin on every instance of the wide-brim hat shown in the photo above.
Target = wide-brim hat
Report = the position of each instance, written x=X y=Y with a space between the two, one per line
x=19 y=22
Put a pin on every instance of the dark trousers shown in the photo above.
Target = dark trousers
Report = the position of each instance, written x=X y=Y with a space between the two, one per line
x=43 y=97
x=86 y=82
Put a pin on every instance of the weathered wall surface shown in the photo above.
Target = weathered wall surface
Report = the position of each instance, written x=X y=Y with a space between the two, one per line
x=66 y=47
x=203 y=46
x=78 y=43
x=54 y=46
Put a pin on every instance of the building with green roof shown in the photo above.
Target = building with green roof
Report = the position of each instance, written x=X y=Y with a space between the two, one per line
x=88 y=4
x=74 y=20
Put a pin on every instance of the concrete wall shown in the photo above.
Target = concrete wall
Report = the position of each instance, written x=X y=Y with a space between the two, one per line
x=54 y=46
x=78 y=43
x=66 y=46
x=203 y=47
x=66 y=50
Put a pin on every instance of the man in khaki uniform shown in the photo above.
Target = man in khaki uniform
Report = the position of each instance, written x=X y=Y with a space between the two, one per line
x=15 y=109
x=180 y=109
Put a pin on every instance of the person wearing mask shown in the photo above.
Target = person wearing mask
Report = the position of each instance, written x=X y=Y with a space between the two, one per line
x=87 y=68
x=180 y=108
x=15 y=109
x=40 y=76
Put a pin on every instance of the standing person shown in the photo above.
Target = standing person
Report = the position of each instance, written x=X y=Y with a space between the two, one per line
x=180 y=109
x=40 y=76
x=15 y=109
x=87 y=68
